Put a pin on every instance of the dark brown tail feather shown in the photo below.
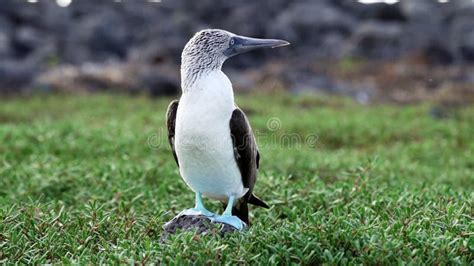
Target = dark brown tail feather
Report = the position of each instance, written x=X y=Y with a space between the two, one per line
x=257 y=202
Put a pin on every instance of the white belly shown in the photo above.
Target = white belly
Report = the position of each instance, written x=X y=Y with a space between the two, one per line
x=203 y=143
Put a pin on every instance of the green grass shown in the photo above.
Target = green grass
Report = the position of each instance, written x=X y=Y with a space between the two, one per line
x=90 y=179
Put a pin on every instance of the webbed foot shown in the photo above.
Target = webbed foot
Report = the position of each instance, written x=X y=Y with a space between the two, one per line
x=197 y=211
x=230 y=220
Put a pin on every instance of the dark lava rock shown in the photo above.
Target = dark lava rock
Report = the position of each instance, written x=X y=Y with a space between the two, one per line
x=421 y=10
x=199 y=224
x=26 y=40
x=309 y=23
x=16 y=74
x=462 y=37
x=4 y=45
x=144 y=39
x=377 y=40
x=376 y=11
x=98 y=38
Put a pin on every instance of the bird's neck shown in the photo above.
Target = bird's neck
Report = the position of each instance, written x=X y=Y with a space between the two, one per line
x=194 y=67
x=211 y=87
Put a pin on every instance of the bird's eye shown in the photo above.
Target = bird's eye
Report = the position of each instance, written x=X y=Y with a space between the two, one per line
x=232 y=42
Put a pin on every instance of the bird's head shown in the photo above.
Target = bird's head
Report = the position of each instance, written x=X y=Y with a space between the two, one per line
x=208 y=49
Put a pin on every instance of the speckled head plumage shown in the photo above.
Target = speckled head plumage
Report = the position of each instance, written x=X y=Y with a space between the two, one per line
x=204 y=52
x=208 y=49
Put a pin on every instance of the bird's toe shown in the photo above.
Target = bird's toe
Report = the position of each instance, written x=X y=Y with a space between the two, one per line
x=230 y=220
x=197 y=211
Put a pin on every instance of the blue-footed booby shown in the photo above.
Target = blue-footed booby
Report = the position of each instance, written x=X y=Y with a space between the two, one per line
x=211 y=138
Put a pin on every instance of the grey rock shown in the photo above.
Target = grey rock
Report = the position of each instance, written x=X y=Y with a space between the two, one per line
x=21 y=12
x=155 y=51
x=158 y=81
x=55 y=20
x=146 y=38
x=15 y=76
x=6 y=26
x=425 y=30
x=462 y=37
x=463 y=5
x=376 y=11
x=309 y=22
x=5 y=49
x=377 y=40
x=8 y=7
x=421 y=10
x=199 y=224
x=26 y=40
x=97 y=38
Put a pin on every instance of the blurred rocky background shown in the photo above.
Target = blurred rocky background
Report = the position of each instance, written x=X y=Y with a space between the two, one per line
x=405 y=52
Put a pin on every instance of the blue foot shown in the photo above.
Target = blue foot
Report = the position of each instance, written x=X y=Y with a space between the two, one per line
x=197 y=211
x=230 y=220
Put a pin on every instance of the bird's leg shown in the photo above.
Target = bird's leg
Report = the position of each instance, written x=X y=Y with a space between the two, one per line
x=199 y=209
x=228 y=218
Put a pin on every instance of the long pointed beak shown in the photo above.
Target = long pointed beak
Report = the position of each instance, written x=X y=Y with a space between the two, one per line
x=244 y=44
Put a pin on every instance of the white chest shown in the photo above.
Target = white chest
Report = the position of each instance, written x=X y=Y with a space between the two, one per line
x=203 y=142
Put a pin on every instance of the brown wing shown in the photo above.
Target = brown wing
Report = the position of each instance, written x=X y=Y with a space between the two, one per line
x=171 y=124
x=246 y=154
